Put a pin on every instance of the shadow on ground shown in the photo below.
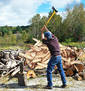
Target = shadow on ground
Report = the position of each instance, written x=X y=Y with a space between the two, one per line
x=16 y=86
x=39 y=86
x=12 y=86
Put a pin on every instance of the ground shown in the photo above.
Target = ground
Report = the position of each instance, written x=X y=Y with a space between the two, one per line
x=39 y=83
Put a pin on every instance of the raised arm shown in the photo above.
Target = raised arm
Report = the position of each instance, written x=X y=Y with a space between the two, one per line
x=42 y=31
x=46 y=28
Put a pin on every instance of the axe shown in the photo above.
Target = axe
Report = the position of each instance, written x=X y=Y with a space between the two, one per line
x=54 y=12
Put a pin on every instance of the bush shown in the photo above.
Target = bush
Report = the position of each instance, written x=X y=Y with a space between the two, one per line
x=68 y=40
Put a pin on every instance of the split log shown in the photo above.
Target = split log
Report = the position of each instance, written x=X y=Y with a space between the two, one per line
x=28 y=63
x=45 y=62
x=77 y=77
x=15 y=72
x=42 y=64
x=38 y=67
x=69 y=72
x=36 y=60
x=46 y=58
x=79 y=67
x=33 y=54
x=82 y=74
x=31 y=74
x=38 y=43
x=26 y=56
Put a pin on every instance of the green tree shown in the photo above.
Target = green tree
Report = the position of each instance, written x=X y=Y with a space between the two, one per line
x=35 y=25
x=18 y=29
x=73 y=25
x=24 y=35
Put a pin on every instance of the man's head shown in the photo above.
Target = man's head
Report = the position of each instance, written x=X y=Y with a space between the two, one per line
x=48 y=35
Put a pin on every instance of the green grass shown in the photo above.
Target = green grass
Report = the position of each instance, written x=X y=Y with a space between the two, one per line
x=25 y=47
x=74 y=44
x=14 y=47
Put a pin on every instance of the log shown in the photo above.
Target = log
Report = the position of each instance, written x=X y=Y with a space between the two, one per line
x=26 y=56
x=75 y=62
x=38 y=43
x=79 y=67
x=8 y=73
x=33 y=54
x=6 y=55
x=22 y=79
x=11 y=64
x=45 y=62
x=82 y=74
x=41 y=55
x=66 y=66
x=31 y=74
x=46 y=58
x=42 y=64
x=36 y=40
x=69 y=72
x=77 y=77
x=39 y=67
x=36 y=60
x=15 y=72
x=28 y=63
x=36 y=48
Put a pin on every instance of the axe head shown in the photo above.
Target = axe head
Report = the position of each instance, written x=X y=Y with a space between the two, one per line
x=54 y=9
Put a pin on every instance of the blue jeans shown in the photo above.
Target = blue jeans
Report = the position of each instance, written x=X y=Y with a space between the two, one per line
x=55 y=60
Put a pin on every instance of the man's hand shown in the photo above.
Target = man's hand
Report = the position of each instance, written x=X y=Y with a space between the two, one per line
x=43 y=28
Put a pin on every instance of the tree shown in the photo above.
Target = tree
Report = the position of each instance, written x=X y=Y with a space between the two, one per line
x=24 y=35
x=74 y=23
x=18 y=29
x=35 y=25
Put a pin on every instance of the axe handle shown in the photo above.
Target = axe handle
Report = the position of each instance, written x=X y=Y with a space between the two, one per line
x=50 y=18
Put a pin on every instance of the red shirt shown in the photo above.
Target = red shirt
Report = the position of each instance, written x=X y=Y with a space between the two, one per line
x=53 y=45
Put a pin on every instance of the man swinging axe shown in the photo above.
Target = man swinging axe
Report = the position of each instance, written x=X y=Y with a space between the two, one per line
x=52 y=43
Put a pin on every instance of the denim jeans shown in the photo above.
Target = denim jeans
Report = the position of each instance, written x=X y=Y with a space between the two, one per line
x=55 y=60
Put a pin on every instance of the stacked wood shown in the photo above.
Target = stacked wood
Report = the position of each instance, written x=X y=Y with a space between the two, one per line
x=11 y=65
x=38 y=56
x=9 y=62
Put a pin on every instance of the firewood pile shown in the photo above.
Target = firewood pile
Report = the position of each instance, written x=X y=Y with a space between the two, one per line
x=38 y=56
x=9 y=62
x=12 y=66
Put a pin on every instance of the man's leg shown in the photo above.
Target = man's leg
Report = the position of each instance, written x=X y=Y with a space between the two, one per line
x=50 y=68
x=61 y=71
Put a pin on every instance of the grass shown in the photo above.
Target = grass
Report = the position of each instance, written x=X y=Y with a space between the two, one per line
x=25 y=47
x=74 y=44
x=14 y=47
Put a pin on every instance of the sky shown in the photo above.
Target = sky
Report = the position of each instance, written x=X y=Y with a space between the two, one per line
x=19 y=12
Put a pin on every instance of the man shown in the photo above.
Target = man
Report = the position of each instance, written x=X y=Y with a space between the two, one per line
x=52 y=43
